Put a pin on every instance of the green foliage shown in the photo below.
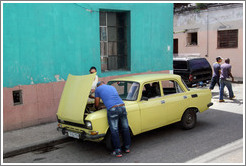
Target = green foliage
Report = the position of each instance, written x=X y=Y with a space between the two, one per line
x=200 y=6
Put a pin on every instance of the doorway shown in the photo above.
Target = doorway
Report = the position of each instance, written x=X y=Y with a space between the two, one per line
x=175 y=46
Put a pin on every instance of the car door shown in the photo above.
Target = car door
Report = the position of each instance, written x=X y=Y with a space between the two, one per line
x=176 y=101
x=151 y=106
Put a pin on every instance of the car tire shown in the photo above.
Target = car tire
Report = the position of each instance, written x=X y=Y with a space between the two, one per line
x=188 y=120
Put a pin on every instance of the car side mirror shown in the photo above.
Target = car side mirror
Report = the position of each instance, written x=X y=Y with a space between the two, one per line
x=145 y=98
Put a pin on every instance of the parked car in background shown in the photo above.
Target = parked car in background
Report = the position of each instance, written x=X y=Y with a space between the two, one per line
x=151 y=100
x=193 y=70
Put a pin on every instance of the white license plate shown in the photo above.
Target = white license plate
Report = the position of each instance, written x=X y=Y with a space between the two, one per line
x=72 y=134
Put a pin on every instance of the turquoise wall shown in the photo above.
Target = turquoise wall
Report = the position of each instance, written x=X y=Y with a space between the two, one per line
x=44 y=42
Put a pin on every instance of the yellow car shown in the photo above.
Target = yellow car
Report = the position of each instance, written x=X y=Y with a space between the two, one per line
x=152 y=101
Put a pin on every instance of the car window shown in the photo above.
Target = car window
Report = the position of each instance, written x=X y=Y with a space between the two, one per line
x=171 y=87
x=127 y=90
x=151 y=90
x=185 y=84
x=179 y=64
x=199 y=64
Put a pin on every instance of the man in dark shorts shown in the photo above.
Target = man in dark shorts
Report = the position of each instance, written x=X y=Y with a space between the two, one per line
x=117 y=115
x=225 y=74
x=216 y=75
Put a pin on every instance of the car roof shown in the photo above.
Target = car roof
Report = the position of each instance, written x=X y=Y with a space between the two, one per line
x=146 y=77
x=186 y=58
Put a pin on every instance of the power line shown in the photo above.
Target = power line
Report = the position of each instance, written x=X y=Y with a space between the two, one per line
x=86 y=9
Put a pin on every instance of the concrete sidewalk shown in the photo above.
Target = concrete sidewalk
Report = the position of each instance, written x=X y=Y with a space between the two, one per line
x=28 y=139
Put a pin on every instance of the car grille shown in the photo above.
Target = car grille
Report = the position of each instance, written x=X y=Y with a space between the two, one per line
x=73 y=124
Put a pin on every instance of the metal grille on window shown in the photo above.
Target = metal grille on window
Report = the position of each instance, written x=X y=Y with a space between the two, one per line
x=113 y=41
x=17 y=97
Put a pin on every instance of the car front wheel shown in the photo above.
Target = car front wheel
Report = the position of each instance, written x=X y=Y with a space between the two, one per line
x=188 y=120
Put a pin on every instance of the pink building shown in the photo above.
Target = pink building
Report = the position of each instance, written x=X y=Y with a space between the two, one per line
x=216 y=30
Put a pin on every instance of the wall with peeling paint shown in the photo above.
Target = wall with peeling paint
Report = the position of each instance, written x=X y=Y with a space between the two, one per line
x=44 y=42
x=207 y=23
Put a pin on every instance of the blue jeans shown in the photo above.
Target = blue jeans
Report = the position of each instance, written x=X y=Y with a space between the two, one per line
x=226 y=83
x=118 y=116
x=214 y=80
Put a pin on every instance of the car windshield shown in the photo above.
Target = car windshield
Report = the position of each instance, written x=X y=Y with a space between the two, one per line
x=126 y=89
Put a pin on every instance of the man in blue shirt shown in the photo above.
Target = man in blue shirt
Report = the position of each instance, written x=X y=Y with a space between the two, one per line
x=117 y=115
x=225 y=74
x=216 y=75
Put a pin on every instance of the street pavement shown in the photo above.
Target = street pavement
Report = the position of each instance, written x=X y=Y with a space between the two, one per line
x=32 y=138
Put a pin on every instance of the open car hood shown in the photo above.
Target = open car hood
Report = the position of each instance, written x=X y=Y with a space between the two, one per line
x=74 y=98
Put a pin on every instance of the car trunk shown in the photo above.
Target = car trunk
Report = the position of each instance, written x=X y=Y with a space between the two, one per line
x=181 y=68
x=73 y=105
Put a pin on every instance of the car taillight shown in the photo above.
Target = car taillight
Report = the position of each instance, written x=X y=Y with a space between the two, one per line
x=190 y=77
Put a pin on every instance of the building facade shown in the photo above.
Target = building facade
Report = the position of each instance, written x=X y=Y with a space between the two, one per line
x=216 y=30
x=44 y=42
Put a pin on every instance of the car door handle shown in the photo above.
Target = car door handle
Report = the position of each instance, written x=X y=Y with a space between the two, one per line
x=162 y=101
x=185 y=97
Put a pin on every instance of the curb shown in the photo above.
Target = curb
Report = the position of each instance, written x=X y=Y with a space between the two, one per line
x=218 y=154
x=34 y=147
x=237 y=82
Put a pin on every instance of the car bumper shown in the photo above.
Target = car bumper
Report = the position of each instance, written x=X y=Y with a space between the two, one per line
x=80 y=135
x=210 y=104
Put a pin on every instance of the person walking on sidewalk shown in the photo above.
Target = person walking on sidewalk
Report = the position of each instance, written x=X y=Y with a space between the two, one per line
x=216 y=75
x=117 y=115
x=225 y=74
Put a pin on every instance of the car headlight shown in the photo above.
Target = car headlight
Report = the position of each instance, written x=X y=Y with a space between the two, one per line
x=88 y=125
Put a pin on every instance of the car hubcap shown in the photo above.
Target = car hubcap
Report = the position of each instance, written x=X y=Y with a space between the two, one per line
x=189 y=119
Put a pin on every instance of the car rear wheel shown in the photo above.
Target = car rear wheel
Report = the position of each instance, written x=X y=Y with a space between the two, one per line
x=188 y=120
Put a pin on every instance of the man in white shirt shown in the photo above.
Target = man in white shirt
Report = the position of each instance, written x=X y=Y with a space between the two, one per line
x=94 y=85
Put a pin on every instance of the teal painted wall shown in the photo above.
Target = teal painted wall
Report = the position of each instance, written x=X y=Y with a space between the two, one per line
x=44 y=42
